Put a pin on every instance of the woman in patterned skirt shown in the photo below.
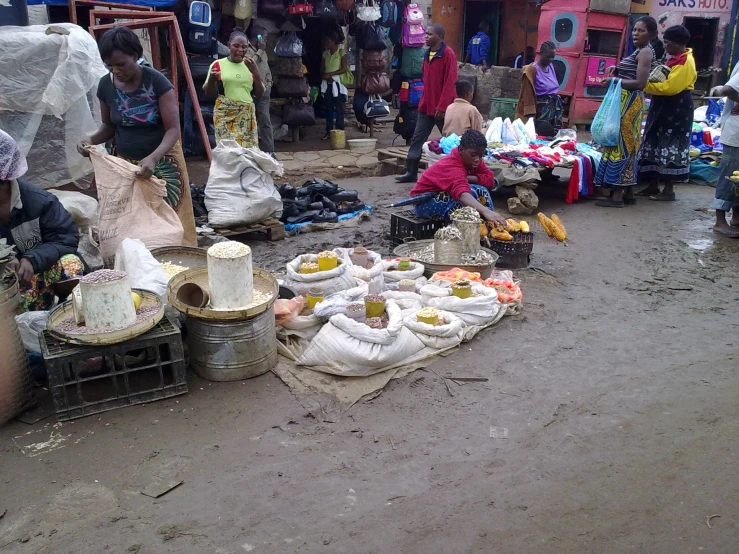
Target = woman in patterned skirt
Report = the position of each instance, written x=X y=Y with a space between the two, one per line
x=618 y=169
x=665 y=154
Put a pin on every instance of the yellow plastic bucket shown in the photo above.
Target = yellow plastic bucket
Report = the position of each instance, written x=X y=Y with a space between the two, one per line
x=338 y=139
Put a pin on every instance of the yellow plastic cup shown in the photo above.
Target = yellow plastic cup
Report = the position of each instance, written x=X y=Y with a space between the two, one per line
x=327 y=264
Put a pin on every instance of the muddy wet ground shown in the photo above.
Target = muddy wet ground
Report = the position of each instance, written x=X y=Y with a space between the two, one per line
x=616 y=390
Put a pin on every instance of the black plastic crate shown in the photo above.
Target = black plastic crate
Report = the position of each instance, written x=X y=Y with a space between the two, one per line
x=407 y=225
x=86 y=380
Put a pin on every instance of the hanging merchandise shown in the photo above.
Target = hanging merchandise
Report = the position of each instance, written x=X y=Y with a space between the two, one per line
x=346 y=5
x=298 y=112
x=405 y=121
x=368 y=11
x=243 y=9
x=271 y=8
x=371 y=36
x=389 y=11
x=286 y=67
x=414 y=34
x=415 y=91
x=289 y=46
x=292 y=87
x=376 y=107
x=373 y=60
x=326 y=9
x=302 y=8
x=411 y=66
x=376 y=83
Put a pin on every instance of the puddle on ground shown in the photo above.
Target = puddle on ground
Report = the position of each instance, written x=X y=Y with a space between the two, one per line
x=700 y=244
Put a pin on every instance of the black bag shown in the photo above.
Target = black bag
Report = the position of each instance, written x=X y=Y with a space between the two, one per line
x=298 y=113
x=405 y=121
x=370 y=36
x=292 y=87
x=326 y=9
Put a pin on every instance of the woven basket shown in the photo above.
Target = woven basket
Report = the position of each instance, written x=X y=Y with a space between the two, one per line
x=516 y=253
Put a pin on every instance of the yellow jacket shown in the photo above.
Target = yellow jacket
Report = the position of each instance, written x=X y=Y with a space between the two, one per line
x=682 y=76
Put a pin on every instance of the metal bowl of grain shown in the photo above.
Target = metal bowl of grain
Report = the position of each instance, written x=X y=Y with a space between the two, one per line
x=176 y=259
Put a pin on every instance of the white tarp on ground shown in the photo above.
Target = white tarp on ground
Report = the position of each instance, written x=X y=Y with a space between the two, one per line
x=48 y=84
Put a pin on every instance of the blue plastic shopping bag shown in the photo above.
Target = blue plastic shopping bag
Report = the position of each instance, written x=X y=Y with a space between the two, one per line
x=606 y=126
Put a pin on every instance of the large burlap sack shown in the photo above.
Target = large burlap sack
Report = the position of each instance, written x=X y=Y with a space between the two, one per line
x=350 y=348
x=443 y=336
x=327 y=282
x=240 y=187
x=131 y=207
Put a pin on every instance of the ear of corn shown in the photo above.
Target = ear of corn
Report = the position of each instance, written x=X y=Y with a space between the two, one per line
x=500 y=235
x=558 y=223
x=513 y=225
x=546 y=223
x=483 y=230
x=524 y=227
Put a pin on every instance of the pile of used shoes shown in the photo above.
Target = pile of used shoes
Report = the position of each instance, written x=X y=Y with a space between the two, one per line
x=317 y=201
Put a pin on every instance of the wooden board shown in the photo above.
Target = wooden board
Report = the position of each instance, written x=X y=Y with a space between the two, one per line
x=273 y=228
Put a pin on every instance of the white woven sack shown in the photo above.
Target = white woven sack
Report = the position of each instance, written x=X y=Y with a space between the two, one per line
x=437 y=336
x=350 y=348
x=393 y=275
x=328 y=282
x=408 y=301
x=476 y=310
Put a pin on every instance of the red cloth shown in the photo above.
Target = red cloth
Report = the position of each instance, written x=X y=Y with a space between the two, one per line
x=438 y=81
x=450 y=175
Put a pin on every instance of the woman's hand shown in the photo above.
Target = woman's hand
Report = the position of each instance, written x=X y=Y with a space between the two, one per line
x=606 y=82
x=610 y=71
x=23 y=268
x=82 y=147
x=215 y=75
x=492 y=217
x=252 y=66
x=147 y=167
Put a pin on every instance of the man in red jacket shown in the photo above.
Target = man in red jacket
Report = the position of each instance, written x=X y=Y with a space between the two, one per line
x=439 y=75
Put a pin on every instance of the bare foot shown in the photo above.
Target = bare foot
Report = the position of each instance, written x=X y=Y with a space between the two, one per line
x=726 y=230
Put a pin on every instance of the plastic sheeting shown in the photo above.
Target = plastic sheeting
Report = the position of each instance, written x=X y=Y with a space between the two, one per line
x=48 y=98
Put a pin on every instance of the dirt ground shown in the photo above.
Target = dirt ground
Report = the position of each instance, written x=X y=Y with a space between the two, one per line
x=616 y=391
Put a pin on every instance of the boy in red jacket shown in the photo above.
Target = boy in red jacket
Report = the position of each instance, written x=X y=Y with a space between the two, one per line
x=439 y=75
x=461 y=179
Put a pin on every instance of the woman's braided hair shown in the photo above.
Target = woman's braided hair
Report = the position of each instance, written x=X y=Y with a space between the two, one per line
x=473 y=139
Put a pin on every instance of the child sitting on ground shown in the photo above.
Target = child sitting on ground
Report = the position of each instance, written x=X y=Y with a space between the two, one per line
x=460 y=179
x=461 y=116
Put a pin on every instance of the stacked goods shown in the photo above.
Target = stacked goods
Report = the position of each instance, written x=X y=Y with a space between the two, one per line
x=290 y=82
x=318 y=201
x=106 y=300
x=553 y=227
x=230 y=277
x=411 y=70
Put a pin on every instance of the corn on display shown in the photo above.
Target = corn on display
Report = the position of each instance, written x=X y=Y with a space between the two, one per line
x=483 y=230
x=500 y=234
x=551 y=228
x=558 y=223
x=524 y=227
x=513 y=226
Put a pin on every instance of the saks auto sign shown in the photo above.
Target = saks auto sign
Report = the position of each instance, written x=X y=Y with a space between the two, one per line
x=701 y=5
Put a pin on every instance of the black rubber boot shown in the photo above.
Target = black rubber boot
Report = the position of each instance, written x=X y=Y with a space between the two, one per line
x=411 y=172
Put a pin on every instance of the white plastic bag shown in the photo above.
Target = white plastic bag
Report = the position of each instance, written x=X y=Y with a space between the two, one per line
x=494 y=132
x=437 y=336
x=530 y=129
x=520 y=130
x=327 y=282
x=144 y=271
x=350 y=348
x=240 y=187
x=392 y=275
x=29 y=324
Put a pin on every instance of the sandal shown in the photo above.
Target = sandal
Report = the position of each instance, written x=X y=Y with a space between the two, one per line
x=649 y=191
x=730 y=233
x=662 y=197
x=608 y=203
x=326 y=136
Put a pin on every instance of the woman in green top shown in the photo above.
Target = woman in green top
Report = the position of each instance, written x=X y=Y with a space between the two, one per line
x=333 y=90
x=234 y=114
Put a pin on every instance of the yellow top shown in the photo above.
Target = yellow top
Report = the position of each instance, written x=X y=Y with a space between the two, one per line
x=682 y=77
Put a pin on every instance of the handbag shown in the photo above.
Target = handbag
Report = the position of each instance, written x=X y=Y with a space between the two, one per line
x=289 y=46
x=346 y=5
x=373 y=60
x=371 y=36
x=659 y=74
x=243 y=9
x=302 y=8
x=298 y=113
x=606 y=126
x=369 y=12
x=326 y=8
x=375 y=83
x=273 y=8
x=347 y=78
x=292 y=87
x=287 y=67
x=376 y=107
